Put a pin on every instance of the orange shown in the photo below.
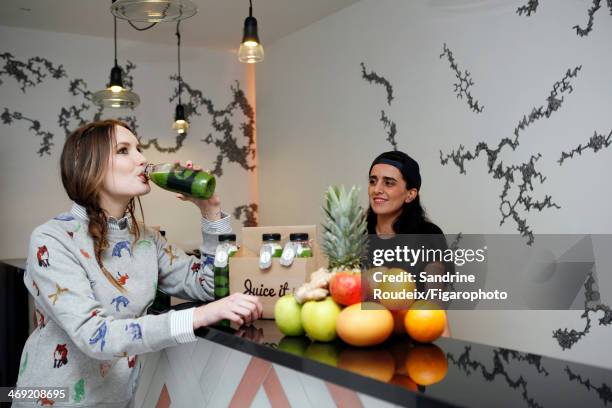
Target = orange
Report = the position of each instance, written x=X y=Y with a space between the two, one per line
x=373 y=363
x=425 y=322
x=426 y=364
x=364 y=327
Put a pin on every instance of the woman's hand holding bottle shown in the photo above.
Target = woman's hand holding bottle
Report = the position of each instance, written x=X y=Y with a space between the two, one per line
x=238 y=308
x=211 y=208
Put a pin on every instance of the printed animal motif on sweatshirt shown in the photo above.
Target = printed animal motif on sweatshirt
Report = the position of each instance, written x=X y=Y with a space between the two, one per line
x=59 y=290
x=135 y=330
x=209 y=260
x=195 y=267
x=24 y=364
x=43 y=256
x=71 y=233
x=60 y=356
x=64 y=217
x=122 y=279
x=104 y=367
x=144 y=243
x=46 y=402
x=36 y=287
x=168 y=250
x=120 y=246
x=39 y=318
x=85 y=254
x=131 y=360
x=79 y=390
x=120 y=300
x=99 y=336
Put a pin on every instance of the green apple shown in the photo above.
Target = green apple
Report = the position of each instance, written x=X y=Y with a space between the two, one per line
x=326 y=353
x=319 y=319
x=287 y=315
x=294 y=345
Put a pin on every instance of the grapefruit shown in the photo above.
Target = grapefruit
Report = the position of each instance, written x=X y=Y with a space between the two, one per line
x=364 y=324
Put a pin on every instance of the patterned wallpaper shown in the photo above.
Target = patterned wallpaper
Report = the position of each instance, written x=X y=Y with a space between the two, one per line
x=225 y=139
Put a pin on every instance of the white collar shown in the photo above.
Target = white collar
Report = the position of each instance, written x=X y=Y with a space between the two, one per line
x=113 y=223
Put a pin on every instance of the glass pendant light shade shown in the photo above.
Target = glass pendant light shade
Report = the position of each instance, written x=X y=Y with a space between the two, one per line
x=180 y=124
x=153 y=11
x=115 y=95
x=121 y=100
x=250 y=51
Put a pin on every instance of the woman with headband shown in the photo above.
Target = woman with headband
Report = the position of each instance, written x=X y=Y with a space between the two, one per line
x=395 y=208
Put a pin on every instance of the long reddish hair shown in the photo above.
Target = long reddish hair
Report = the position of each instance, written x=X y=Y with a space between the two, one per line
x=83 y=163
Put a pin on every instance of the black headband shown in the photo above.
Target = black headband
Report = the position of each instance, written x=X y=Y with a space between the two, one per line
x=408 y=167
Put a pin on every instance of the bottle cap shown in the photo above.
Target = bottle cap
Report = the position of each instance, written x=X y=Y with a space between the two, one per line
x=271 y=237
x=298 y=236
x=227 y=237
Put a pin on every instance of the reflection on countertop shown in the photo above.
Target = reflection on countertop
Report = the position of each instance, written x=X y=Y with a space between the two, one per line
x=448 y=373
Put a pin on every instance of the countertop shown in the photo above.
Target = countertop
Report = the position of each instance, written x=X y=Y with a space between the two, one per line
x=458 y=373
x=18 y=263
x=461 y=373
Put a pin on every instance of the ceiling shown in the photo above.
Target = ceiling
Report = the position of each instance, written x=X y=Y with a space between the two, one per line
x=217 y=25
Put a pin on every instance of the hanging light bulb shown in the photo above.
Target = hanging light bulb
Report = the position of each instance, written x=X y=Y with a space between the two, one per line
x=153 y=11
x=180 y=122
x=115 y=95
x=250 y=51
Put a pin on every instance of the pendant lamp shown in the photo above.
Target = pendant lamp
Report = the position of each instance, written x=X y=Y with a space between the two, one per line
x=153 y=11
x=180 y=122
x=250 y=51
x=115 y=95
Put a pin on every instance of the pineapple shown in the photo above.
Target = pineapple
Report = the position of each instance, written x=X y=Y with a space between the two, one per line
x=344 y=241
x=345 y=237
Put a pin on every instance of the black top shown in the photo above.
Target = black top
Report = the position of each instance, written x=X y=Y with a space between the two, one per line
x=271 y=237
x=227 y=237
x=298 y=236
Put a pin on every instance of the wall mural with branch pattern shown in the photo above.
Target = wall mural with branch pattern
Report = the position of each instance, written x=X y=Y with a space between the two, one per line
x=34 y=71
x=518 y=179
x=509 y=205
x=464 y=83
x=532 y=6
x=389 y=126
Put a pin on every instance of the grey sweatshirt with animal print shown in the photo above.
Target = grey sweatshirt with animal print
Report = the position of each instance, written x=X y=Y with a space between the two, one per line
x=89 y=333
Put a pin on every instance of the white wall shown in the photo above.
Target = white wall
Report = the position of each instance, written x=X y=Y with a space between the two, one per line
x=31 y=188
x=318 y=124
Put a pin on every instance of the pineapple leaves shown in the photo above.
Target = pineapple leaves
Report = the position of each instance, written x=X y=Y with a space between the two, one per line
x=345 y=229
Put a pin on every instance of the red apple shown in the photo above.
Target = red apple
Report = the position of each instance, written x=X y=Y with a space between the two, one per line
x=345 y=288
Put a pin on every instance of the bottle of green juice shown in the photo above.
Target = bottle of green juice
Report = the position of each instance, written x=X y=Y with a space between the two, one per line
x=225 y=250
x=180 y=179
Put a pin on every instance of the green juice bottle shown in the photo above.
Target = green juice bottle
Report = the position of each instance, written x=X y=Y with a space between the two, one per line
x=225 y=250
x=179 y=179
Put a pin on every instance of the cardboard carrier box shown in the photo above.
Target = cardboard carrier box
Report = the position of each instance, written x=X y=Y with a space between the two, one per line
x=272 y=283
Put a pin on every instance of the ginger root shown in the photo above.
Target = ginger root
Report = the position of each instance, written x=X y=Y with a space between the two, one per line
x=316 y=288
